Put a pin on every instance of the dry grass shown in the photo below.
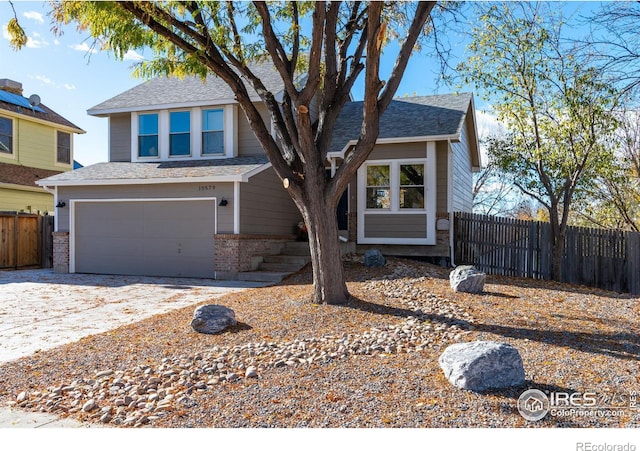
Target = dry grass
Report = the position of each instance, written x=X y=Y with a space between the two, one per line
x=571 y=339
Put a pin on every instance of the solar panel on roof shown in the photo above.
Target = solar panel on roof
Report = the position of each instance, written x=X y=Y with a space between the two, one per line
x=15 y=99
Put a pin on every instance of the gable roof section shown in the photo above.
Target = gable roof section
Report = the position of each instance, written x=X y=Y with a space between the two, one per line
x=45 y=114
x=121 y=173
x=172 y=92
x=15 y=174
x=441 y=116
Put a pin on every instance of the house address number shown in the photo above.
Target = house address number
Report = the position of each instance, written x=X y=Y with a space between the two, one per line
x=206 y=187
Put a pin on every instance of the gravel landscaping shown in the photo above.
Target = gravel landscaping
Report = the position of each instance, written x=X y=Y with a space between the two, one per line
x=372 y=363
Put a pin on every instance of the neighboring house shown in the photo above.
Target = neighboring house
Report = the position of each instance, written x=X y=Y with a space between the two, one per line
x=188 y=190
x=35 y=142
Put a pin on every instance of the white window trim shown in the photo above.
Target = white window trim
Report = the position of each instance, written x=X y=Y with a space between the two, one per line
x=230 y=134
x=191 y=140
x=135 y=129
x=13 y=155
x=429 y=209
x=55 y=155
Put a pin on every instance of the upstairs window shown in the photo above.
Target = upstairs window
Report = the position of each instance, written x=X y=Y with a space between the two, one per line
x=64 y=148
x=148 y=135
x=212 y=132
x=180 y=133
x=6 y=135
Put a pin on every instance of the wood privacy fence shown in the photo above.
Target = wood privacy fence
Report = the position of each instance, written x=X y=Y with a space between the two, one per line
x=607 y=259
x=25 y=241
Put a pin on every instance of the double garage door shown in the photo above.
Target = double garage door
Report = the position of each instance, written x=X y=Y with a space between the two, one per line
x=150 y=237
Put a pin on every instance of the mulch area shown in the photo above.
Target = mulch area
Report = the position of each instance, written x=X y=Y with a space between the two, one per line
x=572 y=339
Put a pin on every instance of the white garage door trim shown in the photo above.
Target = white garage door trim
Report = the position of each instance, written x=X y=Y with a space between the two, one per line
x=74 y=202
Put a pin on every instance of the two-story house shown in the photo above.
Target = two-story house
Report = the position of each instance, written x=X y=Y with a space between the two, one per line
x=188 y=190
x=35 y=142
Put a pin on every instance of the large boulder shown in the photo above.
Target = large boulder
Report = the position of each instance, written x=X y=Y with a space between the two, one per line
x=482 y=365
x=373 y=258
x=212 y=319
x=467 y=279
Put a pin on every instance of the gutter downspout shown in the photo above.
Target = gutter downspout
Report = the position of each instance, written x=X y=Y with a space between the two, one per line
x=450 y=203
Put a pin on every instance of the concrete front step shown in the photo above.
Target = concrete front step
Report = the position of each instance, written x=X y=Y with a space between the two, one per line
x=296 y=248
x=262 y=276
x=288 y=259
x=290 y=267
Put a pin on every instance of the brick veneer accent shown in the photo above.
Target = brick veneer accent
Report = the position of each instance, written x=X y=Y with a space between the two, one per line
x=234 y=252
x=61 y=252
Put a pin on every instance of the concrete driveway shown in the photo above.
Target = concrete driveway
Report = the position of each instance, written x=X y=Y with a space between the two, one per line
x=40 y=310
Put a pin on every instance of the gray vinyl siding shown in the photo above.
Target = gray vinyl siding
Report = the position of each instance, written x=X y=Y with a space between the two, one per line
x=170 y=190
x=462 y=176
x=395 y=226
x=442 y=176
x=248 y=144
x=396 y=151
x=265 y=206
x=120 y=137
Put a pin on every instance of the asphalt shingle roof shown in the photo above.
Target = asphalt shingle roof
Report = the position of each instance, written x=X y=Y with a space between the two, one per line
x=406 y=117
x=192 y=89
x=192 y=169
x=48 y=115
x=16 y=174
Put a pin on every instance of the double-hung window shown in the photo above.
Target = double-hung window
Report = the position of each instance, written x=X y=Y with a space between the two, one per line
x=179 y=133
x=411 y=186
x=395 y=186
x=6 y=135
x=148 y=135
x=64 y=147
x=379 y=187
x=212 y=132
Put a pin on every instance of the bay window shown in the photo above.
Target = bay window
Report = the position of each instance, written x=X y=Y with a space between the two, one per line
x=213 y=132
x=148 y=135
x=179 y=133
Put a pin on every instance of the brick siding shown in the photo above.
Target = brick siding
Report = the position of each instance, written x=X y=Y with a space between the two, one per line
x=61 y=252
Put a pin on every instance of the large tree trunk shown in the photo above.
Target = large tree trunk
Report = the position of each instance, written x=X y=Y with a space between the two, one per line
x=320 y=217
x=557 y=241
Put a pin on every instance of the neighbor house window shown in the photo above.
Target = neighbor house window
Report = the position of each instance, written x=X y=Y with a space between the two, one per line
x=148 y=135
x=378 y=186
x=411 y=186
x=64 y=147
x=180 y=133
x=212 y=132
x=6 y=135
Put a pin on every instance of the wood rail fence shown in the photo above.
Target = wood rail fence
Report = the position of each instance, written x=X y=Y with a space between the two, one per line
x=26 y=241
x=607 y=259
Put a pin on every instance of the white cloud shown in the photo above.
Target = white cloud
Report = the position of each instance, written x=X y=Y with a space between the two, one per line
x=132 y=55
x=56 y=42
x=84 y=47
x=43 y=78
x=488 y=125
x=69 y=87
x=34 y=15
x=34 y=43
x=5 y=33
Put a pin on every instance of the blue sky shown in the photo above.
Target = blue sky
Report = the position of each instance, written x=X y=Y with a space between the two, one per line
x=70 y=77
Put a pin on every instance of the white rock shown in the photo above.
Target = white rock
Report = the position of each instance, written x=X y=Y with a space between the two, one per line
x=89 y=406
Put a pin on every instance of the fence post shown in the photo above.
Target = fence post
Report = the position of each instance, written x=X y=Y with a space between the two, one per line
x=633 y=261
